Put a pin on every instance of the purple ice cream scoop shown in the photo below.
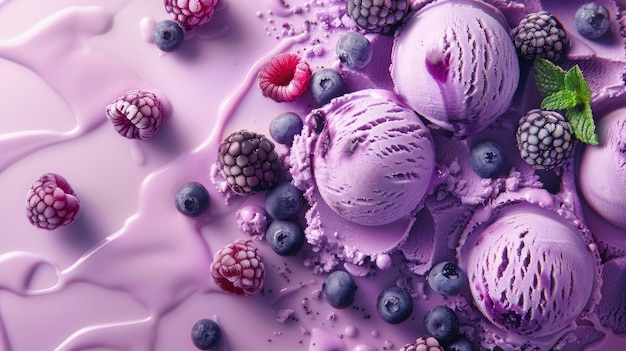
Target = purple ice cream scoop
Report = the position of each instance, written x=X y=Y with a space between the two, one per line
x=532 y=271
x=374 y=159
x=456 y=65
x=602 y=177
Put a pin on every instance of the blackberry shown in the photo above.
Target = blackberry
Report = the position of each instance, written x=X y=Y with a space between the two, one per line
x=248 y=162
x=544 y=138
x=378 y=16
x=540 y=35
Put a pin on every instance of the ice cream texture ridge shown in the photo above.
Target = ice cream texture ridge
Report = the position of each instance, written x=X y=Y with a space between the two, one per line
x=405 y=172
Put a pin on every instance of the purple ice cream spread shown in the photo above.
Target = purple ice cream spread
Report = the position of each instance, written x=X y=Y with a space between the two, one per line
x=384 y=170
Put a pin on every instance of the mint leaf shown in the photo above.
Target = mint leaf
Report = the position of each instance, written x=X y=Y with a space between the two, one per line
x=550 y=78
x=574 y=81
x=581 y=120
x=560 y=100
x=567 y=91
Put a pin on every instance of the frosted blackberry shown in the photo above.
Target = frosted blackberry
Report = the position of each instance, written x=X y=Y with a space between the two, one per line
x=378 y=16
x=540 y=35
x=544 y=138
x=248 y=162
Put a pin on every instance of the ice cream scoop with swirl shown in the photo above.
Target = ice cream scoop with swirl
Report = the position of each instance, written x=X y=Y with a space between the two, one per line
x=455 y=63
x=365 y=160
x=533 y=268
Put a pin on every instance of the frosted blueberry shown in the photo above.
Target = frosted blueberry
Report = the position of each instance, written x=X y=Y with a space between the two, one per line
x=285 y=127
x=447 y=279
x=442 y=323
x=168 y=35
x=326 y=84
x=205 y=334
x=285 y=237
x=339 y=289
x=487 y=159
x=283 y=201
x=592 y=20
x=460 y=344
x=192 y=199
x=354 y=50
x=394 y=304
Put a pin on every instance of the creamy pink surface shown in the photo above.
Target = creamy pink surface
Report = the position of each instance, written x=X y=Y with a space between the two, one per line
x=132 y=273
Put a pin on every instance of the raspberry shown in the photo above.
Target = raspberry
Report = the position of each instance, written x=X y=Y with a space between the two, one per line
x=136 y=115
x=190 y=14
x=540 y=35
x=544 y=138
x=285 y=77
x=378 y=16
x=238 y=268
x=51 y=202
x=248 y=162
x=426 y=343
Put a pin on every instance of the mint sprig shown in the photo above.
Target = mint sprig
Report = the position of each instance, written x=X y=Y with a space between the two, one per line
x=569 y=92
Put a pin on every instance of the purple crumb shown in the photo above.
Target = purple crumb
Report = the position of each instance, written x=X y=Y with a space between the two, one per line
x=283 y=315
x=252 y=220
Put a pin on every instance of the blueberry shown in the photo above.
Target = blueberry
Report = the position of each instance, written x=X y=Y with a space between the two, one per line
x=168 y=35
x=205 y=334
x=285 y=127
x=354 y=50
x=285 y=237
x=442 y=323
x=447 y=279
x=326 y=84
x=460 y=344
x=283 y=201
x=487 y=159
x=192 y=199
x=339 y=289
x=394 y=304
x=592 y=20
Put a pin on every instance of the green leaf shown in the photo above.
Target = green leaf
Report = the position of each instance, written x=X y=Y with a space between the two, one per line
x=581 y=120
x=550 y=78
x=574 y=81
x=560 y=100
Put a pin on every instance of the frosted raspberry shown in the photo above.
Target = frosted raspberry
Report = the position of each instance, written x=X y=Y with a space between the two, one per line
x=238 y=268
x=285 y=77
x=136 y=115
x=190 y=13
x=426 y=343
x=51 y=202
